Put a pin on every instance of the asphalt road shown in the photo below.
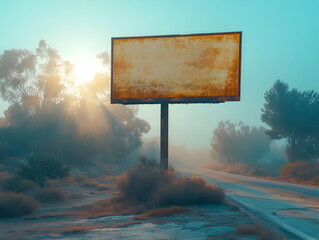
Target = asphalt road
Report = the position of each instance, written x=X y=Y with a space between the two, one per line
x=293 y=207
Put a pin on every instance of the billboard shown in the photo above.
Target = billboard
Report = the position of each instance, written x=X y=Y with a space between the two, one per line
x=196 y=68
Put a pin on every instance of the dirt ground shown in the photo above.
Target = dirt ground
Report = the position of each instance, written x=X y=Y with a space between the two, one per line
x=63 y=220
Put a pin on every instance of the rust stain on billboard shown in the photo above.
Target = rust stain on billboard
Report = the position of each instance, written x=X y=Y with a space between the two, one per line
x=182 y=68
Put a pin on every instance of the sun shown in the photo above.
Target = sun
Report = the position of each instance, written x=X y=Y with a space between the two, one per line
x=84 y=71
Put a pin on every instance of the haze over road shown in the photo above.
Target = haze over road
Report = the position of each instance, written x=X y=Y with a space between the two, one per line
x=293 y=207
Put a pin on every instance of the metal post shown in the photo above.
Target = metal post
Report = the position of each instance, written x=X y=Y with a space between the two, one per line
x=164 y=136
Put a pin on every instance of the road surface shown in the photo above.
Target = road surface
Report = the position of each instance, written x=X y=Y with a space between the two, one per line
x=293 y=207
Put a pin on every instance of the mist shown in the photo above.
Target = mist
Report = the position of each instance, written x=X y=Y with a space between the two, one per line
x=49 y=113
x=55 y=133
x=178 y=154
x=239 y=148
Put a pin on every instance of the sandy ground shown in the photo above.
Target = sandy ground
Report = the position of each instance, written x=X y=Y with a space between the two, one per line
x=55 y=221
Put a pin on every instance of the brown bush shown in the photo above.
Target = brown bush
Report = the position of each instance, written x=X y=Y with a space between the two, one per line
x=188 y=191
x=155 y=189
x=139 y=185
x=145 y=187
x=16 y=205
x=300 y=171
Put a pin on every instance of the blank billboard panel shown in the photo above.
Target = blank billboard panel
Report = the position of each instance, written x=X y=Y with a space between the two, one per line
x=197 y=68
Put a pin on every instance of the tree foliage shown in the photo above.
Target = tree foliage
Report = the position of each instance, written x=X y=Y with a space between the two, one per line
x=34 y=79
x=238 y=143
x=49 y=113
x=293 y=115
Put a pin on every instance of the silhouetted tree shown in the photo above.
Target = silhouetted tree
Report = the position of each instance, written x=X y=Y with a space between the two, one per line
x=49 y=113
x=34 y=79
x=293 y=115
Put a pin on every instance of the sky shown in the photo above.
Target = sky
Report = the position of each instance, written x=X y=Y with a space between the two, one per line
x=280 y=41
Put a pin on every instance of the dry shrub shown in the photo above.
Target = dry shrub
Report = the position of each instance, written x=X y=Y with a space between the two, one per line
x=146 y=187
x=155 y=189
x=300 y=171
x=188 y=191
x=50 y=195
x=16 y=205
x=161 y=212
x=139 y=185
x=259 y=230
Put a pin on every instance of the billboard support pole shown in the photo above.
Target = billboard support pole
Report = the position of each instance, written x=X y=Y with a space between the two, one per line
x=164 y=136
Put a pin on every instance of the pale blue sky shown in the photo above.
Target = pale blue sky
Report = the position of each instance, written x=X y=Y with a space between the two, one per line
x=280 y=41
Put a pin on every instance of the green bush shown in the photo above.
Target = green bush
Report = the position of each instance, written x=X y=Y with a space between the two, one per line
x=42 y=165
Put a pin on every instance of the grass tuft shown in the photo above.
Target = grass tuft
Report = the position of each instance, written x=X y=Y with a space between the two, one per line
x=16 y=205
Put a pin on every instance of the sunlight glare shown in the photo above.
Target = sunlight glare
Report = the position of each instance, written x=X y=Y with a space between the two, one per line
x=84 y=71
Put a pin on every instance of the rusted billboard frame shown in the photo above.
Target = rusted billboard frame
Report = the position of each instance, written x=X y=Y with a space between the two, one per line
x=218 y=99
x=165 y=101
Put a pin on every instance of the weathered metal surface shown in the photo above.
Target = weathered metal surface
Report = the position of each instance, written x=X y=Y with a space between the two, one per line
x=176 y=69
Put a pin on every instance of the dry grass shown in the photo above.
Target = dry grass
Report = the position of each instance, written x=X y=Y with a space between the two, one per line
x=153 y=189
x=82 y=180
x=110 y=207
x=161 y=212
x=259 y=230
x=187 y=191
x=50 y=195
x=142 y=189
x=241 y=168
x=301 y=171
x=16 y=205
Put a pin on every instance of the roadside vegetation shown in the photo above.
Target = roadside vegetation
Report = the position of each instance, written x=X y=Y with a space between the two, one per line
x=22 y=192
x=146 y=187
x=293 y=119
x=53 y=125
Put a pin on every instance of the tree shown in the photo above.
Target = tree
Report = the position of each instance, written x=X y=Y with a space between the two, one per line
x=49 y=113
x=294 y=116
x=34 y=79
x=238 y=143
